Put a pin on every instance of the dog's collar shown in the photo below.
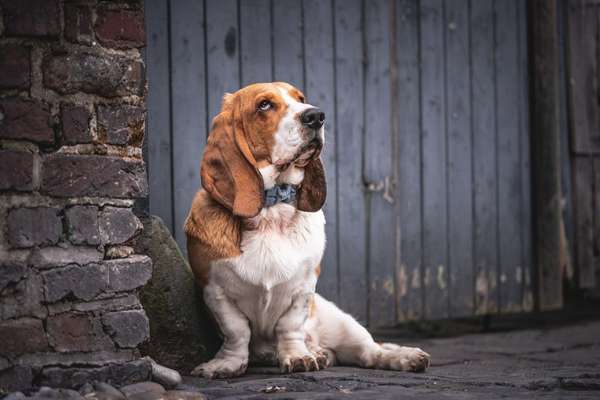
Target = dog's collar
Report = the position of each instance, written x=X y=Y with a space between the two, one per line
x=283 y=193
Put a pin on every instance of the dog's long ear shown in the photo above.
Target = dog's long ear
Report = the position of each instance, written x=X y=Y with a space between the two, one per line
x=313 y=190
x=228 y=169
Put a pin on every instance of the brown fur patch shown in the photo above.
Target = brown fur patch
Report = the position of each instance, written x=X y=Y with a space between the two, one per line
x=213 y=232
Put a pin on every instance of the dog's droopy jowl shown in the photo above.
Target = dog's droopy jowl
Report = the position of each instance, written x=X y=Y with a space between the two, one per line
x=256 y=236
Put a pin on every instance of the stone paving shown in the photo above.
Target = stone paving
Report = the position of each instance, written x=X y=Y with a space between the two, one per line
x=557 y=363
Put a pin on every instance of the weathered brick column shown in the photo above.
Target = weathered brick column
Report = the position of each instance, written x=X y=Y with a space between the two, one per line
x=72 y=114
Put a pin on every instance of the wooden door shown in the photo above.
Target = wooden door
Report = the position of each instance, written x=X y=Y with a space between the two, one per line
x=427 y=152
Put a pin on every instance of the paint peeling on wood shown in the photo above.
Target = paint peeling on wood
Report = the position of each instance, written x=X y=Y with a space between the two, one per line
x=416 y=279
x=441 y=277
x=402 y=281
x=485 y=283
x=388 y=286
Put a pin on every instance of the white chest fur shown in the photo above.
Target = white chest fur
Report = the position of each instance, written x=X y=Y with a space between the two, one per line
x=278 y=261
x=283 y=243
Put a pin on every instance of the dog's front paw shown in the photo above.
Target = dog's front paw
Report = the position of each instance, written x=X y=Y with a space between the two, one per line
x=302 y=362
x=404 y=358
x=221 y=368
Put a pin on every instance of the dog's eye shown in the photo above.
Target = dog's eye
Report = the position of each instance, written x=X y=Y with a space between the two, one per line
x=264 y=105
x=301 y=99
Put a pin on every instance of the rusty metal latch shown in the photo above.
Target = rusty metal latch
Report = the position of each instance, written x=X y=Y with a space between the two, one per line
x=386 y=186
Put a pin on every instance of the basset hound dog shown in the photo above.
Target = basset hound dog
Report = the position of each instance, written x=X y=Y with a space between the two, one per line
x=255 y=238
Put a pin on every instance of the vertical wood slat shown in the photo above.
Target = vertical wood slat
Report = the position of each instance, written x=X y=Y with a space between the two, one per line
x=584 y=220
x=596 y=206
x=582 y=21
x=320 y=91
x=379 y=165
x=255 y=41
x=508 y=144
x=484 y=157
x=351 y=196
x=545 y=152
x=222 y=52
x=433 y=114
x=409 y=291
x=158 y=105
x=189 y=113
x=458 y=133
x=288 y=57
x=525 y=161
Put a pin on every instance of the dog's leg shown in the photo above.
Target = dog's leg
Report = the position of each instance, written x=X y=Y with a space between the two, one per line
x=354 y=345
x=232 y=358
x=292 y=351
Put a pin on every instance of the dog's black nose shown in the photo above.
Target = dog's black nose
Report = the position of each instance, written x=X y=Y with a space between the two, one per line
x=313 y=118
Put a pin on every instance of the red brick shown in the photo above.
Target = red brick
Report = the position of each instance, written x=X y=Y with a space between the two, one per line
x=121 y=124
x=24 y=335
x=68 y=175
x=127 y=328
x=27 y=227
x=120 y=29
x=108 y=75
x=118 y=225
x=31 y=17
x=82 y=223
x=83 y=283
x=25 y=119
x=78 y=23
x=15 y=67
x=129 y=273
x=74 y=332
x=75 y=124
x=16 y=170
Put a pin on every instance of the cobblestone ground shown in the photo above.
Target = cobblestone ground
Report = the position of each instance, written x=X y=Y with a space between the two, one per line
x=557 y=363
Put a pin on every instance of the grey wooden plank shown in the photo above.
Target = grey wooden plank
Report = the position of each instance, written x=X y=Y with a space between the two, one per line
x=255 y=41
x=484 y=156
x=379 y=165
x=409 y=292
x=158 y=131
x=222 y=52
x=597 y=210
x=351 y=195
x=565 y=151
x=433 y=116
x=584 y=224
x=320 y=91
x=189 y=106
x=545 y=144
x=525 y=161
x=458 y=131
x=508 y=144
x=288 y=62
x=583 y=26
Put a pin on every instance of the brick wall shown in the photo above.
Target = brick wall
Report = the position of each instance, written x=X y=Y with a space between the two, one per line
x=72 y=114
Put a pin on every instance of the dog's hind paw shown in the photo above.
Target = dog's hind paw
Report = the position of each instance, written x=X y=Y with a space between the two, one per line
x=401 y=358
x=221 y=368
